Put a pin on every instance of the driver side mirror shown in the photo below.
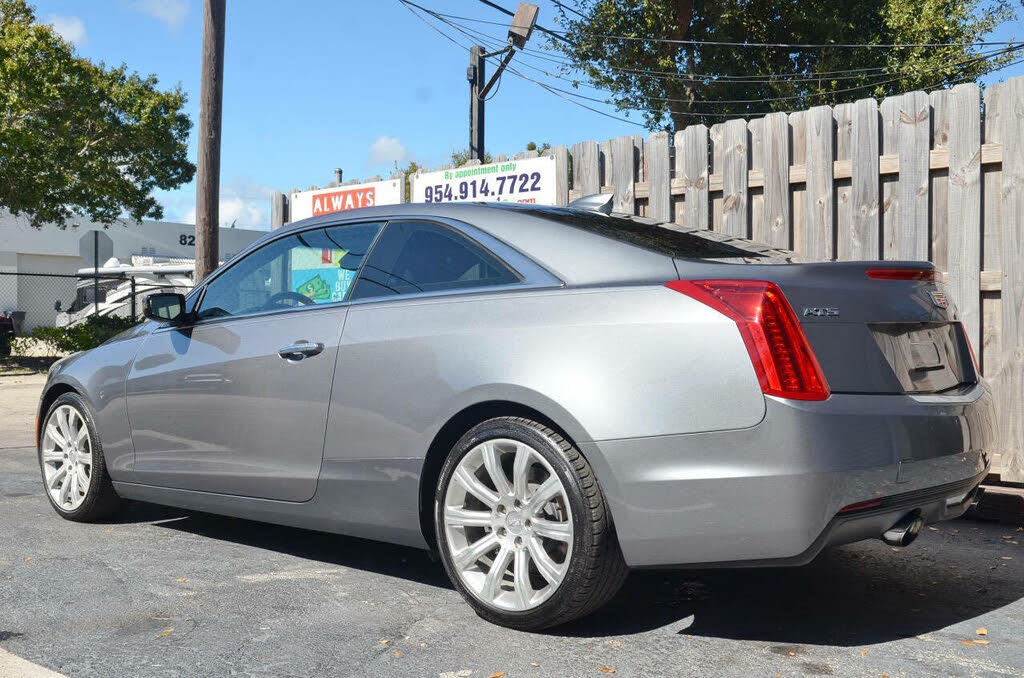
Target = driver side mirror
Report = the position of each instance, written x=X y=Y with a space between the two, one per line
x=164 y=307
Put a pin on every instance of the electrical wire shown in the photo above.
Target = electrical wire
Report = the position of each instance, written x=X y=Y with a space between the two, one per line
x=716 y=43
x=574 y=97
x=707 y=78
x=722 y=102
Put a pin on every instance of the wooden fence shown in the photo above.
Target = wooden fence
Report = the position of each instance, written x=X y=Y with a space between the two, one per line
x=922 y=176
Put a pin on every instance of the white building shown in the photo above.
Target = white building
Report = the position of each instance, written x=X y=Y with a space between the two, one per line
x=49 y=249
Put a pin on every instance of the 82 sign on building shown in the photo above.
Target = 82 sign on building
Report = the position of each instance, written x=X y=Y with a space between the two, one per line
x=527 y=181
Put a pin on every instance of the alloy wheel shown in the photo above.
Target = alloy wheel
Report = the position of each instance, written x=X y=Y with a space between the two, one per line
x=508 y=525
x=67 y=457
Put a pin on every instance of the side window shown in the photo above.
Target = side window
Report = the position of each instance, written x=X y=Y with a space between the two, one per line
x=305 y=269
x=414 y=257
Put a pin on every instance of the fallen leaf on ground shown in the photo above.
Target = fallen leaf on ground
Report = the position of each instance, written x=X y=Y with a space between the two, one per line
x=1020 y=529
x=423 y=644
x=979 y=641
x=109 y=530
x=863 y=651
x=29 y=559
x=165 y=633
x=534 y=664
x=1007 y=536
x=605 y=669
x=933 y=529
x=497 y=674
x=385 y=641
x=1006 y=557
x=982 y=631
x=181 y=580
x=398 y=653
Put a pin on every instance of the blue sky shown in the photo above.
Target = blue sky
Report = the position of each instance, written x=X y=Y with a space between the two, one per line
x=321 y=84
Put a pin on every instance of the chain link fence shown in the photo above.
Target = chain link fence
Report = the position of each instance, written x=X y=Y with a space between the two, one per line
x=37 y=299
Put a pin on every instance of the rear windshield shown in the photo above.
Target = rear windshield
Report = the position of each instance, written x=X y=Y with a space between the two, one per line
x=692 y=244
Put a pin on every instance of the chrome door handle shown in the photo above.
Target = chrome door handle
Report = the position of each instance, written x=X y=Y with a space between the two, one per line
x=300 y=350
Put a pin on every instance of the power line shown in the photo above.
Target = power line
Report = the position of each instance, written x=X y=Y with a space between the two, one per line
x=722 y=102
x=564 y=94
x=573 y=97
x=707 y=78
x=553 y=34
x=697 y=43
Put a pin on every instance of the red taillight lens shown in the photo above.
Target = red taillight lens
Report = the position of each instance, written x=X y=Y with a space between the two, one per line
x=782 y=357
x=927 y=275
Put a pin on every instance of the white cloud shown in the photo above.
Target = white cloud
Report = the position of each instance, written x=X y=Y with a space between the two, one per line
x=242 y=203
x=387 y=151
x=171 y=13
x=70 y=28
x=238 y=212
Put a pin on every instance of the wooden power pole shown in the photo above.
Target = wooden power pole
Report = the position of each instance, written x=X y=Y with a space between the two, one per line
x=208 y=166
x=523 y=21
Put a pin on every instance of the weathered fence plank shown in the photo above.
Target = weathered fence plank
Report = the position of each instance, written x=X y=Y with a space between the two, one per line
x=692 y=167
x=963 y=215
x=561 y=156
x=776 y=222
x=1011 y=122
x=820 y=228
x=938 y=180
x=842 y=116
x=659 y=205
x=755 y=197
x=863 y=239
x=734 y=178
x=913 y=136
x=606 y=162
x=798 y=201
x=624 y=174
x=586 y=168
x=715 y=136
x=890 y=109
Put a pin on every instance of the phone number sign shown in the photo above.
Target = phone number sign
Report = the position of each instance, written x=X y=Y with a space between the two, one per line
x=527 y=181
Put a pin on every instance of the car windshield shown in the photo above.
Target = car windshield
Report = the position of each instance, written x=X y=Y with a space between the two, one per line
x=687 y=243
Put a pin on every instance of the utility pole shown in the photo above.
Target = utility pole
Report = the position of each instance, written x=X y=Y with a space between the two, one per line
x=208 y=166
x=523 y=21
x=476 y=74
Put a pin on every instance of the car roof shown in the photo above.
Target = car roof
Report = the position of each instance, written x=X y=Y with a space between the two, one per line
x=576 y=256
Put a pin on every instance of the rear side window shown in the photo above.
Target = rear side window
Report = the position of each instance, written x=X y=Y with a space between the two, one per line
x=693 y=244
x=416 y=256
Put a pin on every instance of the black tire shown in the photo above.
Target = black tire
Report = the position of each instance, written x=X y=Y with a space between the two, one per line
x=596 y=568
x=101 y=500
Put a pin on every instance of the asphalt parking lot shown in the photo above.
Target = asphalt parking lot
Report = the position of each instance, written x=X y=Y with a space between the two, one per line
x=163 y=592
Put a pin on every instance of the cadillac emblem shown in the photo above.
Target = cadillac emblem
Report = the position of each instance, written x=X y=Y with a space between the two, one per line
x=939 y=298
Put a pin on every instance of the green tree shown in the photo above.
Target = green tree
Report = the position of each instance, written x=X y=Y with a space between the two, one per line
x=78 y=138
x=701 y=82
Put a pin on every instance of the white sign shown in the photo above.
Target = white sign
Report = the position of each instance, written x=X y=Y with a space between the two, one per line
x=305 y=204
x=530 y=181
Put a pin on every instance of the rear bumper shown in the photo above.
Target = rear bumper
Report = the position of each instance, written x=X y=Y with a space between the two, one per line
x=772 y=494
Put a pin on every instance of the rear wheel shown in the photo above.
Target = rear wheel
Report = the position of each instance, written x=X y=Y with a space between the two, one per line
x=72 y=463
x=522 y=526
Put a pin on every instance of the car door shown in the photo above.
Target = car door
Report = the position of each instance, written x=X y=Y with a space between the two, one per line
x=236 y=400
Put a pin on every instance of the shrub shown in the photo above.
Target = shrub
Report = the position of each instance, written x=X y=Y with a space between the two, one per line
x=81 y=337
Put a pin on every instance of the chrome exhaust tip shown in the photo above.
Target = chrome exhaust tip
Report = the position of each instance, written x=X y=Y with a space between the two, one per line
x=904 y=531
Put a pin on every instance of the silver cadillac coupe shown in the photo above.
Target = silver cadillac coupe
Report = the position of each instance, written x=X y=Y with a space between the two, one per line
x=548 y=397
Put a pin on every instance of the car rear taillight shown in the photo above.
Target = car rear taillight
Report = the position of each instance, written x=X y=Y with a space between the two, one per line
x=927 y=275
x=778 y=348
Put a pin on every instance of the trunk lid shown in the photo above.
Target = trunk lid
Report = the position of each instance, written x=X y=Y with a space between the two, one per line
x=869 y=335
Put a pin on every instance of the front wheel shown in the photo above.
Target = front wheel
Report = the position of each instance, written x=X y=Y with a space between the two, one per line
x=72 y=463
x=522 y=526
